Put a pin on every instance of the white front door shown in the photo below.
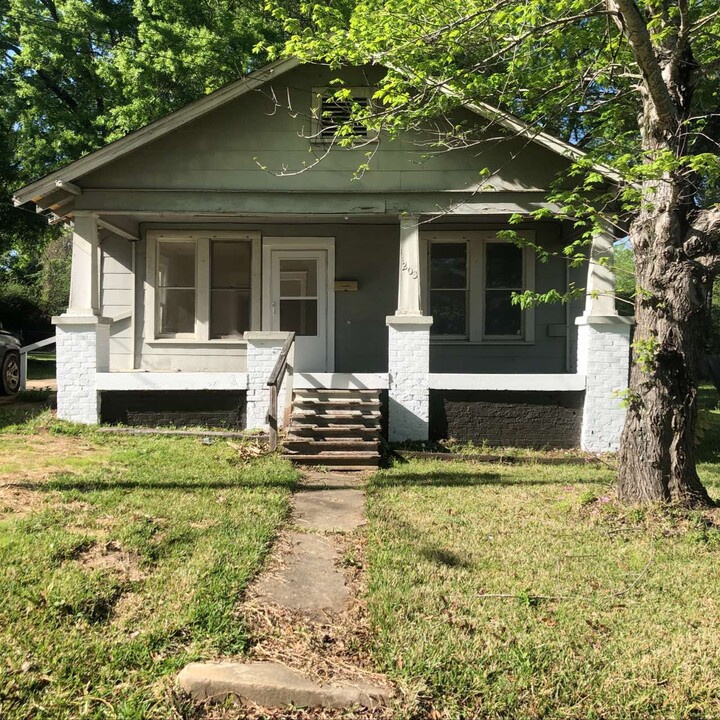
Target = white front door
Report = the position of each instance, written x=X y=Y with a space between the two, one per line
x=298 y=299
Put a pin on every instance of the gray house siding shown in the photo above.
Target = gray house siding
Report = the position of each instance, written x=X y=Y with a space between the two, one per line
x=256 y=144
x=367 y=253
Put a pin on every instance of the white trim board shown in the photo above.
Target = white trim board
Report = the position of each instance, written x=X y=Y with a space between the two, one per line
x=528 y=382
x=126 y=381
x=340 y=381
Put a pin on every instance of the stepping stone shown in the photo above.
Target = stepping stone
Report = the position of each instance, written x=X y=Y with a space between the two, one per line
x=309 y=582
x=273 y=685
x=330 y=510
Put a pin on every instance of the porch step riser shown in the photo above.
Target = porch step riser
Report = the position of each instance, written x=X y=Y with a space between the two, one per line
x=350 y=432
x=336 y=406
x=323 y=446
x=337 y=428
x=324 y=459
x=312 y=394
x=325 y=419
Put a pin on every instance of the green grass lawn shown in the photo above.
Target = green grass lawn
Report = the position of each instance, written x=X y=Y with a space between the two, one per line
x=41 y=366
x=121 y=559
x=526 y=591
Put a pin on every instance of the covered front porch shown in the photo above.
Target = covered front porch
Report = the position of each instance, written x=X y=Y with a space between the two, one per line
x=358 y=291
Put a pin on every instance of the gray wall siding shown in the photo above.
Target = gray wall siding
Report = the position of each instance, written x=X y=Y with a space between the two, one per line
x=249 y=143
x=369 y=255
x=117 y=297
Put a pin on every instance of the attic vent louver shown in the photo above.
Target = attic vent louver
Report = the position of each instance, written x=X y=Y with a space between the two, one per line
x=335 y=114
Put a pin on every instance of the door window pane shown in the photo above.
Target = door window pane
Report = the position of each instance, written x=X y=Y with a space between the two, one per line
x=230 y=288
x=298 y=296
x=299 y=316
x=177 y=310
x=298 y=278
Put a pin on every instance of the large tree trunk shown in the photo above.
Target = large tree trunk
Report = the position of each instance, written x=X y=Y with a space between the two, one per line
x=658 y=445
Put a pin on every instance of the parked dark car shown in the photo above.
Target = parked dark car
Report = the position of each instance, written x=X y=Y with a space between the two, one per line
x=9 y=363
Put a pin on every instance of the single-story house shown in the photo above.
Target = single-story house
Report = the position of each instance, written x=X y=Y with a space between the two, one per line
x=204 y=238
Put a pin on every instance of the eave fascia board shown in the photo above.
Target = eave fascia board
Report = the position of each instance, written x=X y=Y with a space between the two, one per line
x=516 y=125
x=136 y=139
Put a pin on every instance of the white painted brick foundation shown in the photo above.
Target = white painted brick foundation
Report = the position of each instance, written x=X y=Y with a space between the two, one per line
x=263 y=349
x=408 y=377
x=604 y=358
x=82 y=345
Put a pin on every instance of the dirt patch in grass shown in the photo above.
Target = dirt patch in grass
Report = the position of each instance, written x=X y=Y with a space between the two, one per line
x=111 y=556
x=27 y=461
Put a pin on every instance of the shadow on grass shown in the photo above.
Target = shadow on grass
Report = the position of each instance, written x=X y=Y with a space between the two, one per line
x=447 y=558
x=68 y=483
x=17 y=413
x=465 y=478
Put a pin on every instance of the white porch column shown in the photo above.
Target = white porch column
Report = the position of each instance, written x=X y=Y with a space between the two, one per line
x=82 y=336
x=409 y=286
x=85 y=272
x=263 y=349
x=603 y=353
x=409 y=345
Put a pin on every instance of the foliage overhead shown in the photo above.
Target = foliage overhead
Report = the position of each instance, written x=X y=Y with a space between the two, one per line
x=563 y=67
x=75 y=74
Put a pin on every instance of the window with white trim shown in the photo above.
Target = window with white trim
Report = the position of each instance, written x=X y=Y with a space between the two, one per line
x=471 y=279
x=333 y=111
x=202 y=285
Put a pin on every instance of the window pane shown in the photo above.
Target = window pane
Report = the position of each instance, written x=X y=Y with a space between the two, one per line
x=299 y=316
x=448 y=310
x=298 y=278
x=448 y=265
x=176 y=264
x=504 y=266
x=501 y=316
x=230 y=264
x=177 y=311
x=229 y=313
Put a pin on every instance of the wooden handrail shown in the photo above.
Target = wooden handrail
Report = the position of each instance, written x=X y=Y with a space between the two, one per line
x=274 y=383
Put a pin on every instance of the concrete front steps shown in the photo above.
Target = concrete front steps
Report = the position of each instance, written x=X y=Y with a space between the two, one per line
x=335 y=428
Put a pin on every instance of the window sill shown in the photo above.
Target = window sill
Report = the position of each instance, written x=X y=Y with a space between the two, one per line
x=439 y=341
x=197 y=343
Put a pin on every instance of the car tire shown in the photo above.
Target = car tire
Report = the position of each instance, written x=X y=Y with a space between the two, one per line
x=10 y=374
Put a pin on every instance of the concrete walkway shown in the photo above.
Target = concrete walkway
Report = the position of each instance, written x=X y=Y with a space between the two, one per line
x=300 y=609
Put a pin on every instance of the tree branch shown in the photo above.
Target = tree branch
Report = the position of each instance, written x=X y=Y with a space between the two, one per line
x=634 y=27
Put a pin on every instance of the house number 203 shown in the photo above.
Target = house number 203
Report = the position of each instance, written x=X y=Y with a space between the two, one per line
x=410 y=270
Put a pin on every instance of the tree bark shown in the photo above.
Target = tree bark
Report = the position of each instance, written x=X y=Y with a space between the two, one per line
x=658 y=443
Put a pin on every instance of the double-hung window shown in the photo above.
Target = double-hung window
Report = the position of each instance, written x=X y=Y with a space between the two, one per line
x=471 y=280
x=201 y=285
